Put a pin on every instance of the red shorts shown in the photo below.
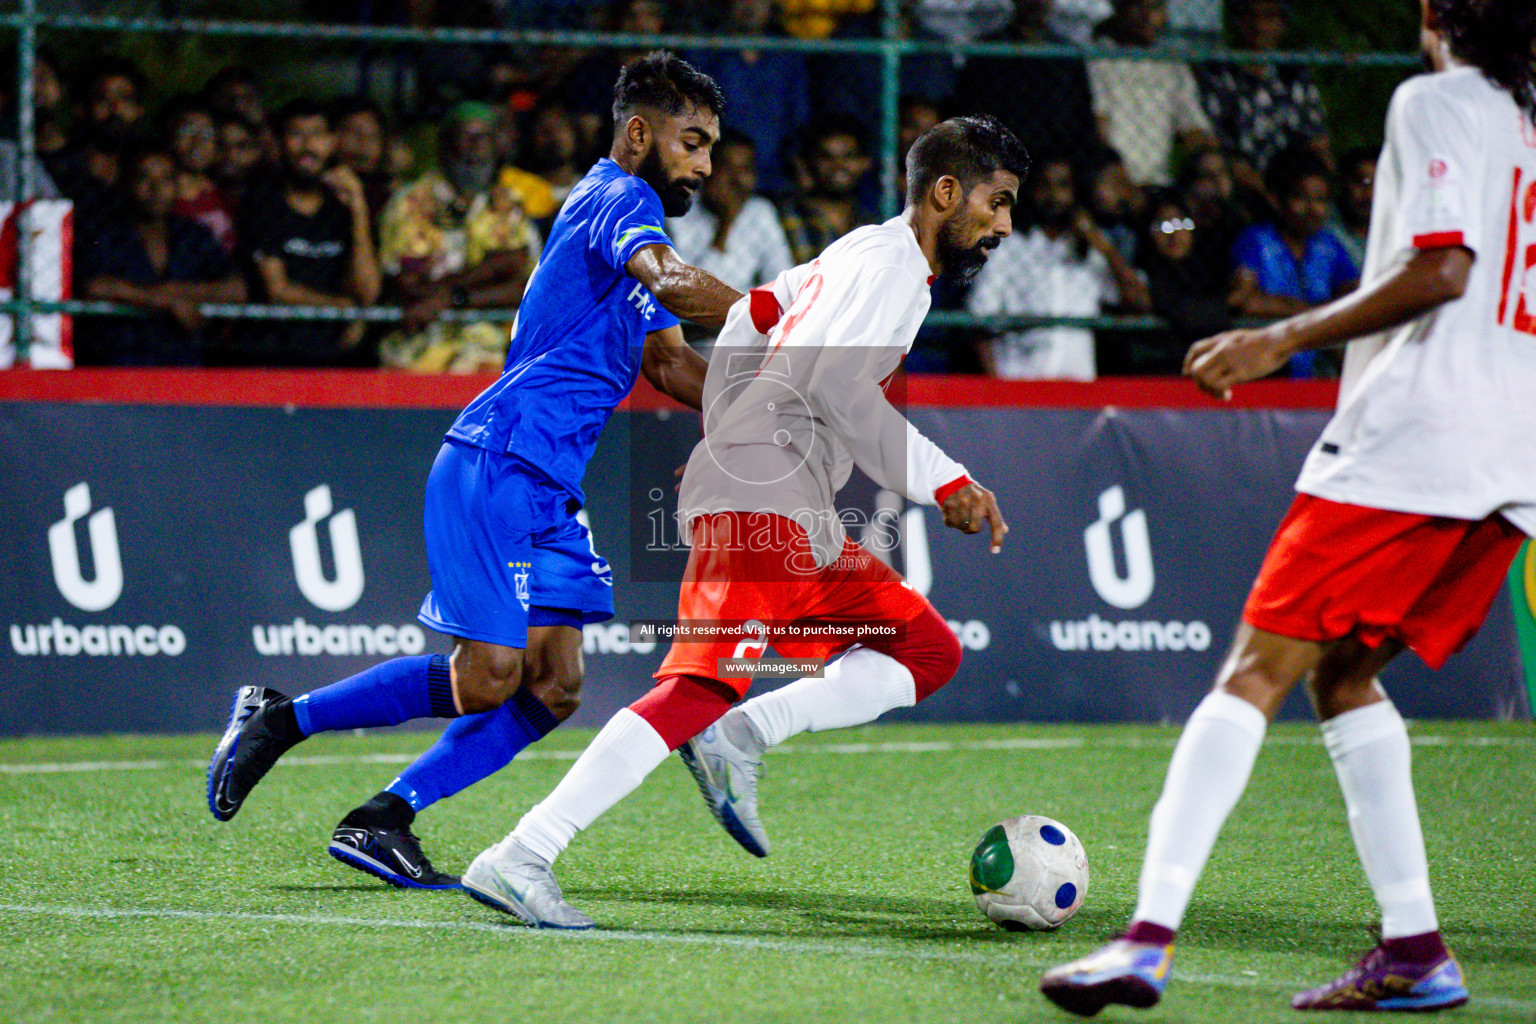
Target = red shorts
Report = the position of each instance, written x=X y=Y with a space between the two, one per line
x=1336 y=570
x=751 y=568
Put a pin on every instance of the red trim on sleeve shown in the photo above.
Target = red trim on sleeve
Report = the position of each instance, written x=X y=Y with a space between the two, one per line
x=1438 y=240
x=764 y=309
x=942 y=494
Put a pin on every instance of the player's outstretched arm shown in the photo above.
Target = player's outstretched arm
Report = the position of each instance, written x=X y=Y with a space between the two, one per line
x=673 y=367
x=1431 y=278
x=686 y=292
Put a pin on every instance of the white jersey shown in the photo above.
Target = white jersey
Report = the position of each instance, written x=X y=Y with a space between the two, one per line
x=1438 y=416
x=790 y=409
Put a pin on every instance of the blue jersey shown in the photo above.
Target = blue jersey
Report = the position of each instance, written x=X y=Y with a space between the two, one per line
x=580 y=331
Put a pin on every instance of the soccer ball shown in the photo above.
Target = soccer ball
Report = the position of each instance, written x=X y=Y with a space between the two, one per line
x=1029 y=873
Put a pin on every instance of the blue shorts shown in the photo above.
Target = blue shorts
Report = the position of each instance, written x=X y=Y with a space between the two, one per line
x=506 y=551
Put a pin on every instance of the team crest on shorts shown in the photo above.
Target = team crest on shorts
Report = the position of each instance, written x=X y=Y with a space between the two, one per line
x=520 y=579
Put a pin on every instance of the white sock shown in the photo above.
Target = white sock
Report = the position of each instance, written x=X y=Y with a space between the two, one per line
x=614 y=764
x=859 y=687
x=1371 y=756
x=1207 y=775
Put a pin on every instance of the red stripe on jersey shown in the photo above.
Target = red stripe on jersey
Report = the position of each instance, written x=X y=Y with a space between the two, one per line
x=1510 y=246
x=1438 y=240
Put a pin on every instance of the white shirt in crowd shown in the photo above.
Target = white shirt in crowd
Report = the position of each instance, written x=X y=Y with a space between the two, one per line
x=1030 y=272
x=1145 y=105
x=789 y=412
x=756 y=250
x=1438 y=416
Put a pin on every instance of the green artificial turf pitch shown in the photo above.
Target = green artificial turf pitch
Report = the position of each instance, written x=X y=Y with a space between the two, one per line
x=122 y=900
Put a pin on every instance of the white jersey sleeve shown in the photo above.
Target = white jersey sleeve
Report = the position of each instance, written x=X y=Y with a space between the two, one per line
x=1434 y=139
x=858 y=329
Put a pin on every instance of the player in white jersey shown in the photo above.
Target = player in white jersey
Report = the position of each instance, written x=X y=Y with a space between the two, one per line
x=793 y=399
x=1412 y=505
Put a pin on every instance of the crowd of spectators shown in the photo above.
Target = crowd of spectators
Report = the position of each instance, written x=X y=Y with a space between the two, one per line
x=1198 y=194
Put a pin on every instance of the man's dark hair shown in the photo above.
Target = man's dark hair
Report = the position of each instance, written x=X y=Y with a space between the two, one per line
x=113 y=66
x=664 y=82
x=233 y=74
x=909 y=100
x=1357 y=155
x=734 y=137
x=1498 y=37
x=969 y=149
x=178 y=107
x=295 y=109
x=136 y=152
x=1290 y=167
x=346 y=106
x=830 y=126
x=224 y=117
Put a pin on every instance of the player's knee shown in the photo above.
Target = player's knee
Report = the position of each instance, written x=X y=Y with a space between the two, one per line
x=559 y=689
x=1333 y=695
x=487 y=680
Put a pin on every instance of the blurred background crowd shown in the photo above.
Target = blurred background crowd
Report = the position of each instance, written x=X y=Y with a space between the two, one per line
x=1196 y=192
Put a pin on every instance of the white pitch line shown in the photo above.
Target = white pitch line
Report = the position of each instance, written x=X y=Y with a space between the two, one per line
x=909 y=747
x=518 y=933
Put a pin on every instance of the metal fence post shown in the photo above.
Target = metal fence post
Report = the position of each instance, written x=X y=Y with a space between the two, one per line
x=890 y=104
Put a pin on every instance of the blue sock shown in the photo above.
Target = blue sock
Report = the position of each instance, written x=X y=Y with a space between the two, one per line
x=472 y=748
x=388 y=694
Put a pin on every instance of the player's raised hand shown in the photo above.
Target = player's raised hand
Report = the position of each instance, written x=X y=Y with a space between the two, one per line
x=967 y=508
x=1234 y=357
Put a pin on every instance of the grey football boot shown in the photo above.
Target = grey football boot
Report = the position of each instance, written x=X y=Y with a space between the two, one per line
x=726 y=760
x=519 y=883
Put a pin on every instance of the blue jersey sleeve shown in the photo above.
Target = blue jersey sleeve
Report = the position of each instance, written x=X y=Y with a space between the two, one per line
x=659 y=319
x=628 y=220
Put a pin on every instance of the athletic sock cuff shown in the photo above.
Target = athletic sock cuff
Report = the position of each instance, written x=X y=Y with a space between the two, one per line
x=1424 y=948
x=440 y=688
x=1220 y=706
x=1362 y=727
x=539 y=720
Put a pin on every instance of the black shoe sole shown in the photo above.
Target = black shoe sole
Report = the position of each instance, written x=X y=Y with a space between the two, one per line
x=1087 y=1000
x=352 y=859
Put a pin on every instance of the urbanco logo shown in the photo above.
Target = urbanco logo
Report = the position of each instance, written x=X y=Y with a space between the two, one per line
x=341 y=593
x=96 y=639
x=1129 y=591
x=1132 y=589
x=101 y=530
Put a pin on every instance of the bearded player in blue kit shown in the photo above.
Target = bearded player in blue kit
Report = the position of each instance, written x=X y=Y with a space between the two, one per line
x=514 y=573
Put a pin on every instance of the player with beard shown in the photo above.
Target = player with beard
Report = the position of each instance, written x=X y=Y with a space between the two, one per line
x=795 y=398
x=514 y=575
